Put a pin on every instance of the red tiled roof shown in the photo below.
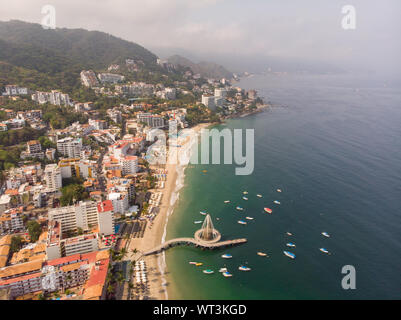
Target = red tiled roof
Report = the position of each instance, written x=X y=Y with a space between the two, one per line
x=105 y=206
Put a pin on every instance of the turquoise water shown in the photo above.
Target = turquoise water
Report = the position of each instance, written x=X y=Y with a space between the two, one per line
x=333 y=146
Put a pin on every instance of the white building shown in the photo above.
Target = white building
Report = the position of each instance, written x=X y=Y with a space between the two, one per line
x=110 y=78
x=57 y=246
x=13 y=90
x=106 y=217
x=53 y=177
x=120 y=202
x=84 y=215
x=88 y=79
x=151 y=120
x=209 y=101
x=129 y=165
x=221 y=93
x=77 y=168
x=70 y=147
x=54 y=97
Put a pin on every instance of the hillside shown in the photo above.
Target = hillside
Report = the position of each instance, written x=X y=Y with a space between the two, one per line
x=31 y=55
x=91 y=49
x=205 y=69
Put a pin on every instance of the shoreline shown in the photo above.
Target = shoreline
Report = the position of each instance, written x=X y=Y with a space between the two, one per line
x=161 y=283
x=155 y=233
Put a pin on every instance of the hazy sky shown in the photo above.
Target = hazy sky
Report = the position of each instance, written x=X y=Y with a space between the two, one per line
x=307 y=29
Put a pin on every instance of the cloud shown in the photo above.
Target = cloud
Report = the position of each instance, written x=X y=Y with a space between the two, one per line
x=308 y=29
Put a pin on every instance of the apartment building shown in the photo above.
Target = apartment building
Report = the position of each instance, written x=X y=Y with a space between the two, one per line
x=88 y=79
x=87 y=270
x=53 y=177
x=151 y=120
x=13 y=90
x=70 y=147
x=78 y=168
x=11 y=221
x=106 y=217
x=84 y=215
x=58 y=246
x=110 y=78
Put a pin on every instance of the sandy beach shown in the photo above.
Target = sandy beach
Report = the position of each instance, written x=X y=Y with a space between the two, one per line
x=155 y=233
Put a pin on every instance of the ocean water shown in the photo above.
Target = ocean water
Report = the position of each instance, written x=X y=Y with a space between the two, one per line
x=333 y=145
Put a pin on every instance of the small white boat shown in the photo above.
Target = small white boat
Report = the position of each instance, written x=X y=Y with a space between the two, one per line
x=245 y=198
x=325 y=234
x=203 y=213
x=262 y=254
x=226 y=256
x=249 y=218
x=289 y=234
x=245 y=192
x=324 y=250
x=208 y=271
x=198 y=222
x=223 y=270
x=279 y=190
x=242 y=222
x=289 y=254
x=259 y=196
x=240 y=208
x=291 y=245
x=277 y=202
x=227 y=274
x=194 y=263
x=227 y=201
x=244 y=268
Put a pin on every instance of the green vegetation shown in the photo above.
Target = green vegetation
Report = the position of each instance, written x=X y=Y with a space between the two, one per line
x=13 y=137
x=34 y=230
x=16 y=244
x=72 y=193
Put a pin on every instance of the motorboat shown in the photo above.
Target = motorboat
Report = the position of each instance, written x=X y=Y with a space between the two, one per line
x=244 y=268
x=289 y=254
x=268 y=210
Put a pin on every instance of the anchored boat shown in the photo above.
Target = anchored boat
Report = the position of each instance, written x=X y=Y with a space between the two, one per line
x=208 y=271
x=240 y=208
x=324 y=250
x=291 y=245
x=268 y=210
x=226 y=256
x=259 y=196
x=277 y=202
x=289 y=254
x=245 y=198
x=262 y=254
x=325 y=234
x=249 y=218
x=242 y=222
x=244 y=268
x=227 y=274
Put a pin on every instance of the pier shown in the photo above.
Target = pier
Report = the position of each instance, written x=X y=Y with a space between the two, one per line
x=191 y=241
x=206 y=238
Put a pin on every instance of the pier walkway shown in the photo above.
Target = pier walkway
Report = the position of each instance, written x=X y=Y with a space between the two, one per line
x=191 y=241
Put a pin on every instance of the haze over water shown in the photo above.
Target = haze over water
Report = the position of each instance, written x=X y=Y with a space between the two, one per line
x=333 y=145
